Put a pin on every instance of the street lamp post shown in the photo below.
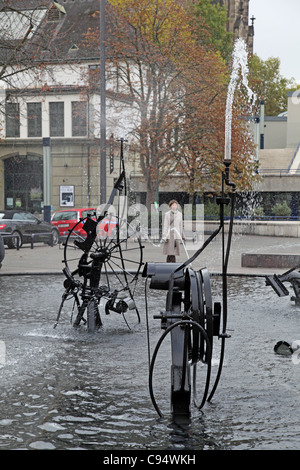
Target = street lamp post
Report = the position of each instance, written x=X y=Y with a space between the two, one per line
x=47 y=179
x=262 y=125
x=102 y=104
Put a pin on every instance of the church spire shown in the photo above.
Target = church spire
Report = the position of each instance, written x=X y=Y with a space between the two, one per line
x=238 y=20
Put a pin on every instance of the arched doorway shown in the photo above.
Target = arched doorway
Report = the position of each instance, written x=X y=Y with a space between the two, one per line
x=23 y=182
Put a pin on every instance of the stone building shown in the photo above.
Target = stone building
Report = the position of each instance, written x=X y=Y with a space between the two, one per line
x=50 y=118
x=279 y=160
x=238 y=20
x=50 y=108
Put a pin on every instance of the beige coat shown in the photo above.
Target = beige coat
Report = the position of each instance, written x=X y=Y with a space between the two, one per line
x=172 y=232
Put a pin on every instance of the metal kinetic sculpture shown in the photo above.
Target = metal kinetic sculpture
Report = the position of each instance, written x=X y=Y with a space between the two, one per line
x=102 y=265
x=191 y=318
x=291 y=276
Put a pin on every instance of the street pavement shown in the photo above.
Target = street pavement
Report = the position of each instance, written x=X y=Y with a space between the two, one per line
x=43 y=259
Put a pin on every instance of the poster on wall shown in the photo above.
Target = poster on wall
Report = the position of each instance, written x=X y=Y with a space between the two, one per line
x=66 y=196
x=10 y=202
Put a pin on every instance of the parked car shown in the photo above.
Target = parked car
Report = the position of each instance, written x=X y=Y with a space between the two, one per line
x=23 y=227
x=65 y=219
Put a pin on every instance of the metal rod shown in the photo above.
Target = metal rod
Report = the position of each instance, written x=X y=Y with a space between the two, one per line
x=47 y=179
x=225 y=257
x=102 y=104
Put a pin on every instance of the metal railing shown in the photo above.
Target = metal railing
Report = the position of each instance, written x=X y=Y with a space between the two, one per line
x=44 y=234
x=278 y=171
x=270 y=218
x=33 y=235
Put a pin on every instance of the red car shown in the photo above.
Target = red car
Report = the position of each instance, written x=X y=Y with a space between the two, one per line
x=64 y=220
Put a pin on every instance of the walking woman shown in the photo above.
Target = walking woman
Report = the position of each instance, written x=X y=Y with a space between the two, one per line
x=172 y=232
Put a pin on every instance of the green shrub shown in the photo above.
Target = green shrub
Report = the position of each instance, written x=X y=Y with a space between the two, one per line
x=258 y=211
x=282 y=210
x=212 y=209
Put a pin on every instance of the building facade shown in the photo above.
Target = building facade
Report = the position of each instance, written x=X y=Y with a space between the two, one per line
x=51 y=109
x=238 y=20
x=50 y=113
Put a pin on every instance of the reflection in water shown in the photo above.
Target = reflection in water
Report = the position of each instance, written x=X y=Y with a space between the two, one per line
x=190 y=435
x=66 y=389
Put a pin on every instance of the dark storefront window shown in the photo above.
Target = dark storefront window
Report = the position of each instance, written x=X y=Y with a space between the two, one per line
x=23 y=182
x=57 y=121
x=34 y=116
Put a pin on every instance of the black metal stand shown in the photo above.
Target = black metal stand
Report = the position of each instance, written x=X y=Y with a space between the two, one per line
x=191 y=318
x=222 y=201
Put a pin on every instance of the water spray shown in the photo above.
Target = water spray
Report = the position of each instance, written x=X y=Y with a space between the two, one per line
x=239 y=70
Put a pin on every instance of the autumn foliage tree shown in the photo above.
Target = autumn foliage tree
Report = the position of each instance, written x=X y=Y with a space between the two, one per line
x=176 y=84
x=201 y=159
x=269 y=84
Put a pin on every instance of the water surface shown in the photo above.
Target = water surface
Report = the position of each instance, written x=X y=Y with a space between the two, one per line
x=67 y=389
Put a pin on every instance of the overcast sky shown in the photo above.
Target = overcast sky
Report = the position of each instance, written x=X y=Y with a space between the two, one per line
x=276 y=33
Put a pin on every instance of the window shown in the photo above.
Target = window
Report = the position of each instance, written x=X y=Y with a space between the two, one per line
x=19 y=216
x=55 y=12
x=34 y=118
x=12 y=114
x=79 y=118
x=57 y=122
x=94 y=76
x=66 y=215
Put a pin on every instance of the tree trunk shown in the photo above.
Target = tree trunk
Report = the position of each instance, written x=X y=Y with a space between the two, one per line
x=151 y=196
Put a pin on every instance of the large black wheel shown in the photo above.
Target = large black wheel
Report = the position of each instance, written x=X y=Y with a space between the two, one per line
x=120 y=253
x=106 y=263
x=198 y=305
x=15 y=241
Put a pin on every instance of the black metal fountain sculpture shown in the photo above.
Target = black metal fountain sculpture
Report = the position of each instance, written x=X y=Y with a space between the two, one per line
x=292 y=276
x=191 y=318
x=103 y=265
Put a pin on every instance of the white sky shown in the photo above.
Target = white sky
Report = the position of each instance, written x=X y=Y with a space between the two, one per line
x=276 y=33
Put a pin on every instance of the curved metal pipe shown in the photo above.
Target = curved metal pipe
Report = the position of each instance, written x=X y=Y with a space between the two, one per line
x=152 y=364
